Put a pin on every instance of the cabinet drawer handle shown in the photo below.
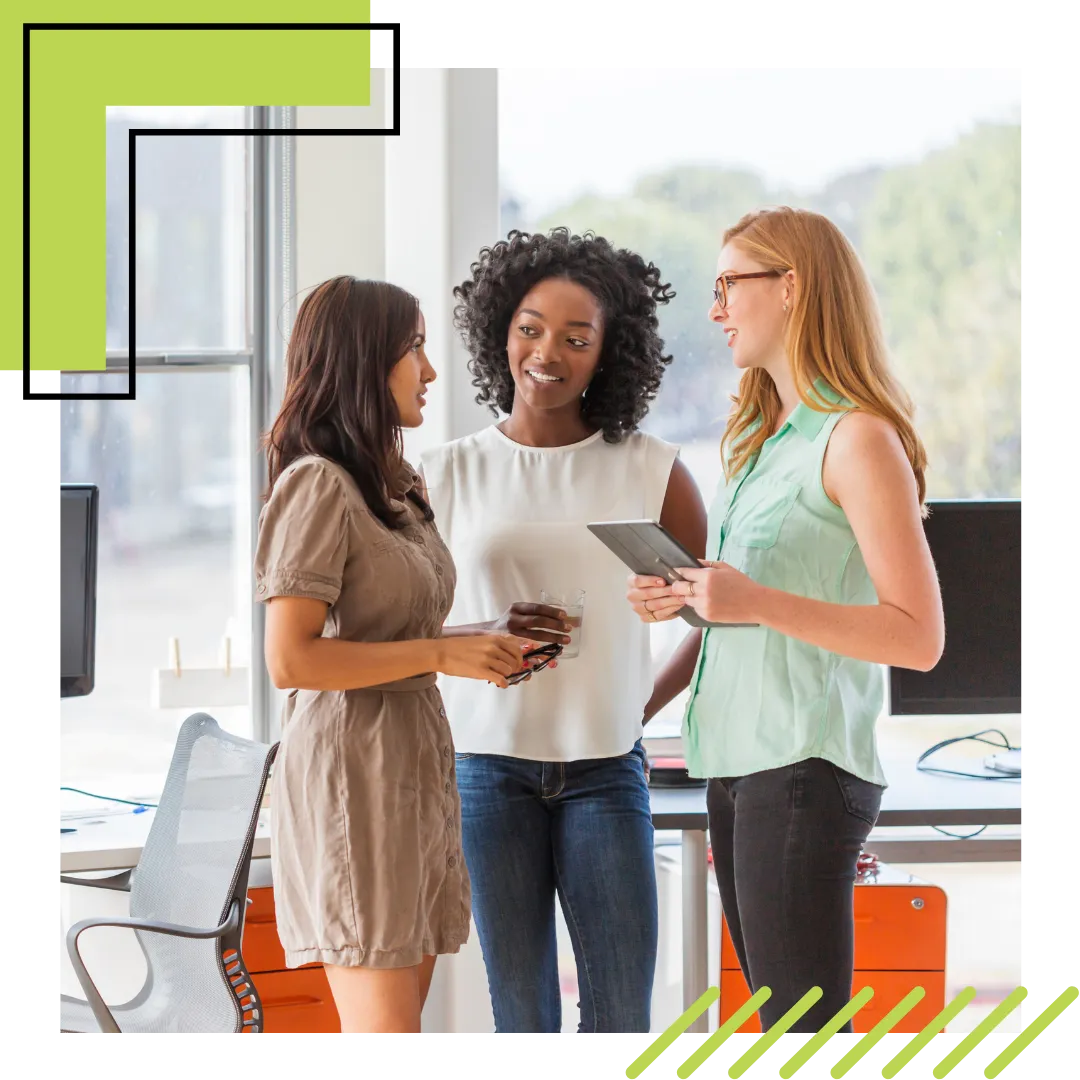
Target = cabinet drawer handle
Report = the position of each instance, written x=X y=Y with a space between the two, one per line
x=299 y=1002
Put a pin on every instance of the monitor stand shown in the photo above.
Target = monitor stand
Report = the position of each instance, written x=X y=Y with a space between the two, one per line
x=1007 y=762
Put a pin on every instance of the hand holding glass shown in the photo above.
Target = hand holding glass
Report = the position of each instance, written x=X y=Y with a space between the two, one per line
x=573 y=603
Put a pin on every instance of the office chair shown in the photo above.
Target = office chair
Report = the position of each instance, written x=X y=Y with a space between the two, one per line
x=188 y=895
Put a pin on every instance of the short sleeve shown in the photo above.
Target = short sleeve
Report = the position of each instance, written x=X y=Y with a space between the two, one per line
x=303 y=535
x=437 y=476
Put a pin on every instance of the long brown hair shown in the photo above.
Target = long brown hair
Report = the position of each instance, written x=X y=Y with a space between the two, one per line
x=834 y=333
x=337 y=404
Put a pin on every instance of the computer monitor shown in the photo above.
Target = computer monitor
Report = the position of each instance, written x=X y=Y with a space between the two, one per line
x=976 y=549
x=78 y=587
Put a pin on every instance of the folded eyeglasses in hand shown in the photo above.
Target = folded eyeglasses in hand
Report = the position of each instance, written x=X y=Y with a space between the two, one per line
x=537 y=659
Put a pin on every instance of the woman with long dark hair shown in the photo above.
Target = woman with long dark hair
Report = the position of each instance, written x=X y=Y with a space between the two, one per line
x=369 y=877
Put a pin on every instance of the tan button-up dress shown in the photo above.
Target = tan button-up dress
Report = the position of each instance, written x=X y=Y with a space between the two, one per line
x=365 y=817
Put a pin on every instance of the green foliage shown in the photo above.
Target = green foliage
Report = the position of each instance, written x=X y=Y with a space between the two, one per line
x=941 y=241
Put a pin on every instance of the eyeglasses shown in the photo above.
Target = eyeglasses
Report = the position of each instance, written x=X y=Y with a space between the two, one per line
x=543 y=655
x=721 y=287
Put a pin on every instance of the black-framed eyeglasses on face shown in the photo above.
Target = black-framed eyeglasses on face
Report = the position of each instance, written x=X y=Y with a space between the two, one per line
x=537 y=659
x=720 y=290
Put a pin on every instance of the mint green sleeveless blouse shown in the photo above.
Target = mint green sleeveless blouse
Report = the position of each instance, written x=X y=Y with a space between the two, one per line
x=759 y=699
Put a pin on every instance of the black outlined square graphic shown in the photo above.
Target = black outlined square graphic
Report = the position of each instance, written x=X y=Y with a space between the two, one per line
x=395 y=129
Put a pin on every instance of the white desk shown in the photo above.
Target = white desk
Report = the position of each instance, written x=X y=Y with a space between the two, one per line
x=117 y=842
x=912 y=799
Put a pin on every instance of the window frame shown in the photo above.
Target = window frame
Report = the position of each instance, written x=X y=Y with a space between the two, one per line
x=271 y=288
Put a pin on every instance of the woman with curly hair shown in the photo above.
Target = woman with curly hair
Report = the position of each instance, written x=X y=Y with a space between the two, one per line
x=562 y=331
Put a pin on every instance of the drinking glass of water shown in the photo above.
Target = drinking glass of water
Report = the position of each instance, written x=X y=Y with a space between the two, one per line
x=573 y=603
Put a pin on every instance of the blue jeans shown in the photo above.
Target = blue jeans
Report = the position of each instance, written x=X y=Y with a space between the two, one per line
x=582 y=830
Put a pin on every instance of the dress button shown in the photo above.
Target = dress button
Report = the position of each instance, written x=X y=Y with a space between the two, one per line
x=262 y=589
x=449 y=822
x=445 y=749
x=438 y=570
x=442 y=712
x=447 y=787
x=452 y=861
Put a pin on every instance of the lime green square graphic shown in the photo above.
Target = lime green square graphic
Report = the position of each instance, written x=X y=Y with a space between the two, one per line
x=75 y=73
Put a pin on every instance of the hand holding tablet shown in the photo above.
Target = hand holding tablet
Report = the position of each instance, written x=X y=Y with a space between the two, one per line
x=650 y=550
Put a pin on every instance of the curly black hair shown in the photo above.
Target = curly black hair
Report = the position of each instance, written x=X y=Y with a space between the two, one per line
x=632 y=359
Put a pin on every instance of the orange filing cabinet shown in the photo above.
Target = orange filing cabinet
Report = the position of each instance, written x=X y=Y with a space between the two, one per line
x=899 y=944
x=296 y=999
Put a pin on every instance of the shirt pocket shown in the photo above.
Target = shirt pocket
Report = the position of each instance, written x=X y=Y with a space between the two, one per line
x=761 y=516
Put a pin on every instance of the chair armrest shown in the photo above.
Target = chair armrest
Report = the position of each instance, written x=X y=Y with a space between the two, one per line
x=118 y=882
x=101 y=1011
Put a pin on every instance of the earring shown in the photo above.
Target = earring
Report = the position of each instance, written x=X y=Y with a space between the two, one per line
x=785 y=308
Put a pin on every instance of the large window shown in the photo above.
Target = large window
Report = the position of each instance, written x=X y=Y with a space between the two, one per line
x=173 y=466
x=920 y=169
x=191 y=225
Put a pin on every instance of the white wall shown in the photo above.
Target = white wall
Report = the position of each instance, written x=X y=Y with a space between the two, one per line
x=442 y=206
x=414 y=209
x=340 y=191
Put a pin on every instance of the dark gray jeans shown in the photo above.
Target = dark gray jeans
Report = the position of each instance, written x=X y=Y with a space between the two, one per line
x=785 y=844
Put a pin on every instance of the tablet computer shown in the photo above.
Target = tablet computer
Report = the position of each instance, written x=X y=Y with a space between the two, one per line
x=650 y=550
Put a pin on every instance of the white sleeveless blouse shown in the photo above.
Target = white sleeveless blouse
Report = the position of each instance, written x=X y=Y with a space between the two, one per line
x=514 y=519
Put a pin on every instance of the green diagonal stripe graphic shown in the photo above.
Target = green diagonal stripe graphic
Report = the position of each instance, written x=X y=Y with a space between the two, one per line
x=809 y=1049
x=973 y=1038
x=868 y=1041
x=806 y=1002
x=716 y=1039
x=655 y=1049
x=1034 y=1029
x=880 y=1029
x=946 y=1016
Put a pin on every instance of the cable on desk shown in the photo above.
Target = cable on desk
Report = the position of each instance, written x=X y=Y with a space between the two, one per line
x=977 y=737
x=958 y=836
x=110 y=798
